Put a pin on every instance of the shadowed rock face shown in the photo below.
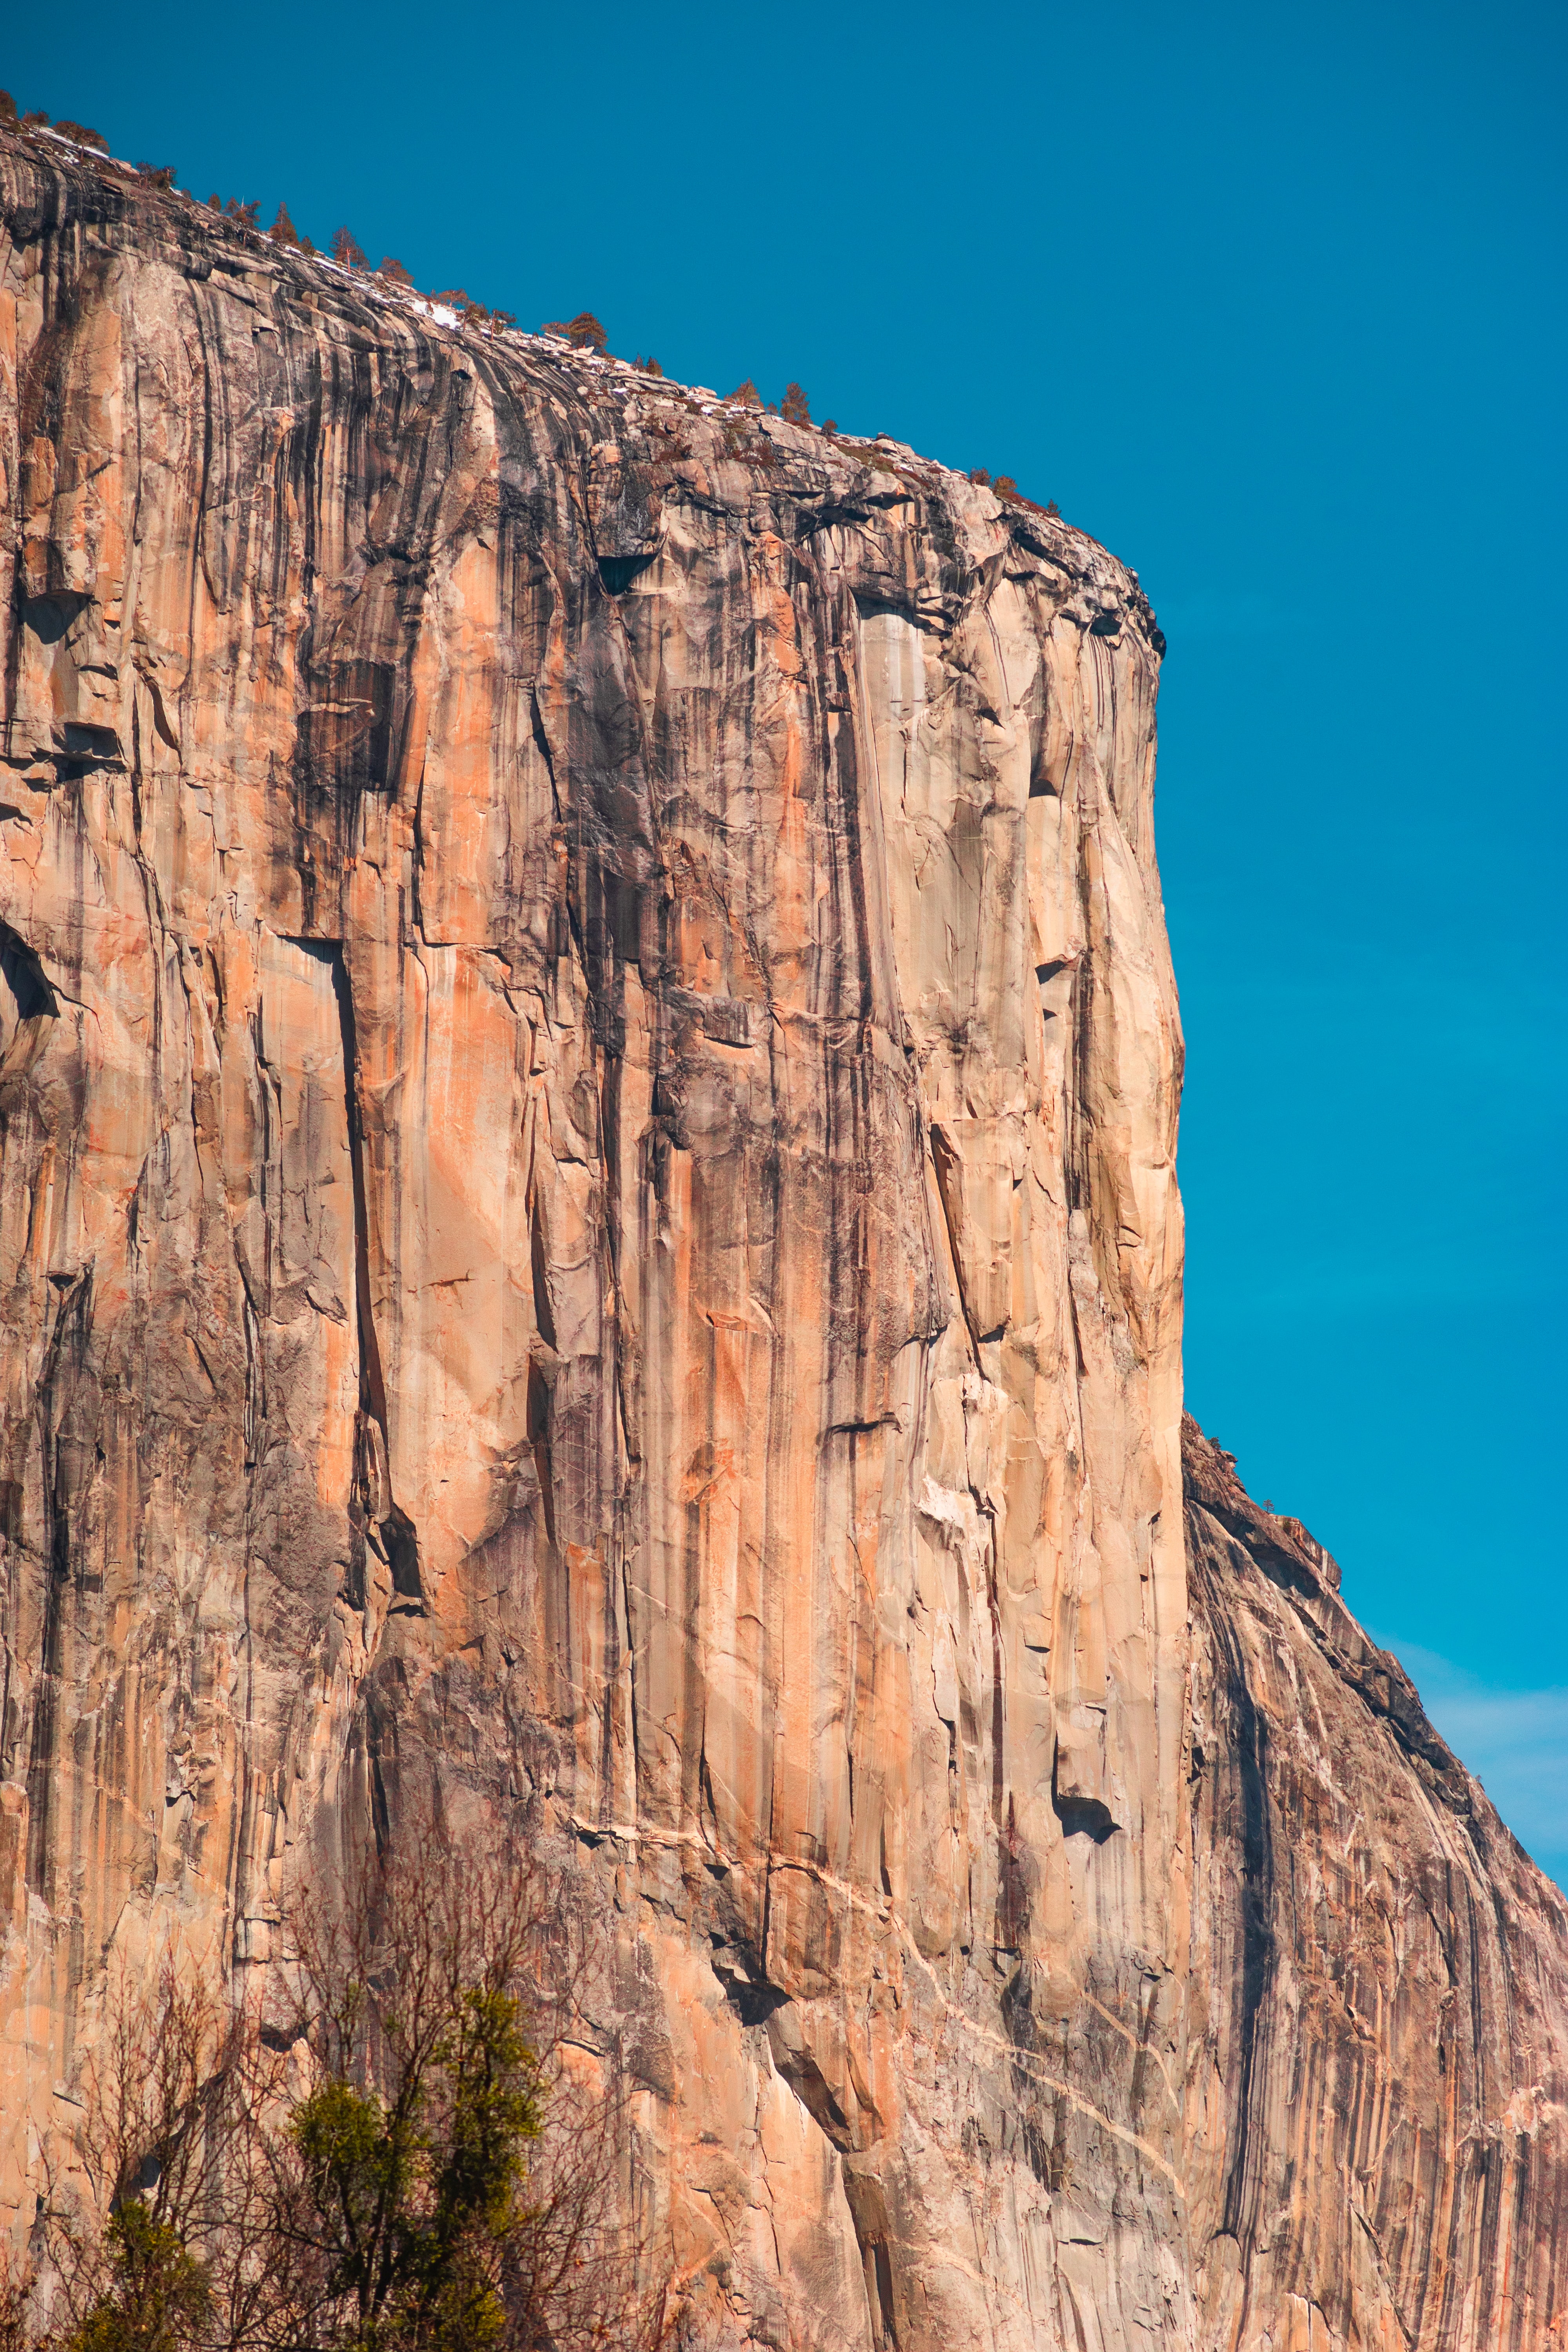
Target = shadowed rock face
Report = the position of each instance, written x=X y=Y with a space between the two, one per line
x=1378 y=2029
x=588 y=1234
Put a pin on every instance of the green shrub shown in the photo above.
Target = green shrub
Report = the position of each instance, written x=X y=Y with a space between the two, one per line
x=410 y=2202
x=156 y=2296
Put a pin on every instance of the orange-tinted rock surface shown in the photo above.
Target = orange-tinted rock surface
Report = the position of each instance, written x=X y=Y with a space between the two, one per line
x=589 y=1226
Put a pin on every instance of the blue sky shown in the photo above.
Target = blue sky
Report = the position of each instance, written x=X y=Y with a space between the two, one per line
x=1272 y=301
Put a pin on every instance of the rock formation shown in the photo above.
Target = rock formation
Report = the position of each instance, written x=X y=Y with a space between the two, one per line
x=1378 y=1991
x=588 y=1236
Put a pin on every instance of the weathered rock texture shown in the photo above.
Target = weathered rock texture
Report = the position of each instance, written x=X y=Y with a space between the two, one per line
x=589 y=1226
x=1376 y=2151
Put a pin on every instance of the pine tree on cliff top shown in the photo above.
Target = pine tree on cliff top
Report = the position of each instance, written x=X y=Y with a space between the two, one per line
x=583 y=332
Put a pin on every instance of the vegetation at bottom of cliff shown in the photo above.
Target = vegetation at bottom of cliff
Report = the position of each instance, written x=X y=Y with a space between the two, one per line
x=382 y=2150
x=153 y=2294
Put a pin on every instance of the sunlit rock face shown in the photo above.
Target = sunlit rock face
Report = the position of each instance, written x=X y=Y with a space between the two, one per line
x=589 y=1239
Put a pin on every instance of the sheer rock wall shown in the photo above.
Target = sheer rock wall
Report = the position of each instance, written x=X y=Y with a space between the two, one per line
x=588 y=1234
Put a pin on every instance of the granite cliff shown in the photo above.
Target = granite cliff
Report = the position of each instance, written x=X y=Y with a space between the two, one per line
x=588 y=1235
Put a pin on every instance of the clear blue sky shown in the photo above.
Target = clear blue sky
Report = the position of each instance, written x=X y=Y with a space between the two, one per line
x=1272 y=301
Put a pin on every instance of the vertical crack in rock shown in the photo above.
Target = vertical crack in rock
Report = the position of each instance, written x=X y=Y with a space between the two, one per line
x=949 y=1180
x=390 y=1526
x=1249 y=1746
x=255 y=1381
x=64 y=1367
x=868 y=2213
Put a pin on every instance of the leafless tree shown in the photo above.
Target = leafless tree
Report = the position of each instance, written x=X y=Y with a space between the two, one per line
x=375 y=1988
x=154 y=2236
x=394 y=2149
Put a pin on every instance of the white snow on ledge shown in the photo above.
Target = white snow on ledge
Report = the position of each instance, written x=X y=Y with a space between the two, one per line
x=700 y=399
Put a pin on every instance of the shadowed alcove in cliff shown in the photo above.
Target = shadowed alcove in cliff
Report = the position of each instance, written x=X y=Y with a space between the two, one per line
x=618 y=572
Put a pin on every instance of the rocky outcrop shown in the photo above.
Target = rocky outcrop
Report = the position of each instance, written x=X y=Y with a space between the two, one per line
x=589 y=1235
x=1376 y=2150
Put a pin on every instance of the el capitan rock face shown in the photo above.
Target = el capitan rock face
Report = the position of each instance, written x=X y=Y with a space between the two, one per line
x=588 y=1227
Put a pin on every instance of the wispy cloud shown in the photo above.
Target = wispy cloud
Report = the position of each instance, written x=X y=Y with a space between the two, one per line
x=1514 y=1741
